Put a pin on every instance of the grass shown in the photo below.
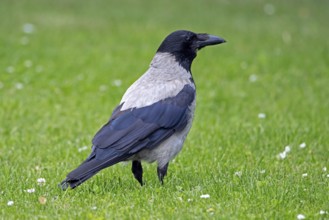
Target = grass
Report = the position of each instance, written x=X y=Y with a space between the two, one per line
x=57 y=88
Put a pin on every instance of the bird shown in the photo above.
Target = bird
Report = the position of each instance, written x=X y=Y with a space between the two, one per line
x=154 y=116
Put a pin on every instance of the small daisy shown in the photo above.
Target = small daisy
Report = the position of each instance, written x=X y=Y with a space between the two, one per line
x=324 y=169
x=238 y=173
x=41 y=181
x=10 y=69
x=252 y=78
x=287 y=149
x=83 y=148
x=304 y=175
x=28 y=28
x=283 y=155
x=32 y=190
x=269 y=9
x=28 y=63
x=39 y=69
x=302 y=145
x=10 y=203
x=19 y=86
x=205 y=196
x=261 y=115
x=300 y=216
x=322 y=212
x=117 y=82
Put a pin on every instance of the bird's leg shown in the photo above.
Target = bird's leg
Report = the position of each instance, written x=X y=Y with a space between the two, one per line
x=162 y=172
x=137 y=170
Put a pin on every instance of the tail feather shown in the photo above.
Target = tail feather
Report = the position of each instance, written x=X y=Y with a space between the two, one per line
x=86 y=170
x=74 y=182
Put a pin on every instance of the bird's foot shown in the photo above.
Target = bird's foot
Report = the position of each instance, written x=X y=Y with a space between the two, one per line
x=137 y=170
x=162 y=172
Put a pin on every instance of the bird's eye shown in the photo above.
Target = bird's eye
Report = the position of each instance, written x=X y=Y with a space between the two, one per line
x=189 y=38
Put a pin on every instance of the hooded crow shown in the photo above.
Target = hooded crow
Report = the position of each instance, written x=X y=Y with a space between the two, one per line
x=154 y=116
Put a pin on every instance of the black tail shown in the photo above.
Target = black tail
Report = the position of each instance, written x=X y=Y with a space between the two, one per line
x=86 y=170
x=80 y=175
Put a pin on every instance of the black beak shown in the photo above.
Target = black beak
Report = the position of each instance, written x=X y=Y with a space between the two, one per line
x=207 y=40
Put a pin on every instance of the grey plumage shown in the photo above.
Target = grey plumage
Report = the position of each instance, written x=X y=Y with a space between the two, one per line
x=154 y=116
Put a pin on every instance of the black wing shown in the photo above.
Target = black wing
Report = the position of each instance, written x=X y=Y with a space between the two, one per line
x=129 y=131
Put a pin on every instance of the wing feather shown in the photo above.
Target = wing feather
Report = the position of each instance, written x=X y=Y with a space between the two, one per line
x=132 y=130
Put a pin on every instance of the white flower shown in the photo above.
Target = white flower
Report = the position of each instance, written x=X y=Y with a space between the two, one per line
x=253 y=78
x=302 y=145
x=283 y=155
x=269 y=9
x=10 y=203
x=238 y=173
x=304 y=175
x=10 y=69
x=32 y=190
x=189 y=200
x=322 y=212
x=93 y=208
x=327 y=175
x=83 y=148
x=28 y=63
x=19 y=86
x=39 y=69
x=287 y=149
x=300 y=216
x=117 y=82
x=28 y=28
x=262 y=115
x=262 y=171
x=324 y=169
x=205 y=196
x=41 y=181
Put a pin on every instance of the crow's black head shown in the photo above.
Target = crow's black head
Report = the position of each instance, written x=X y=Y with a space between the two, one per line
x=185 y=44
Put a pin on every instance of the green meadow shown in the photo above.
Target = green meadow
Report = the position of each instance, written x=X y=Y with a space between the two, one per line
x=259 y=145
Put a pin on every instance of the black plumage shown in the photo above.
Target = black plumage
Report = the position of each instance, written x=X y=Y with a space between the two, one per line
x=152 y=127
